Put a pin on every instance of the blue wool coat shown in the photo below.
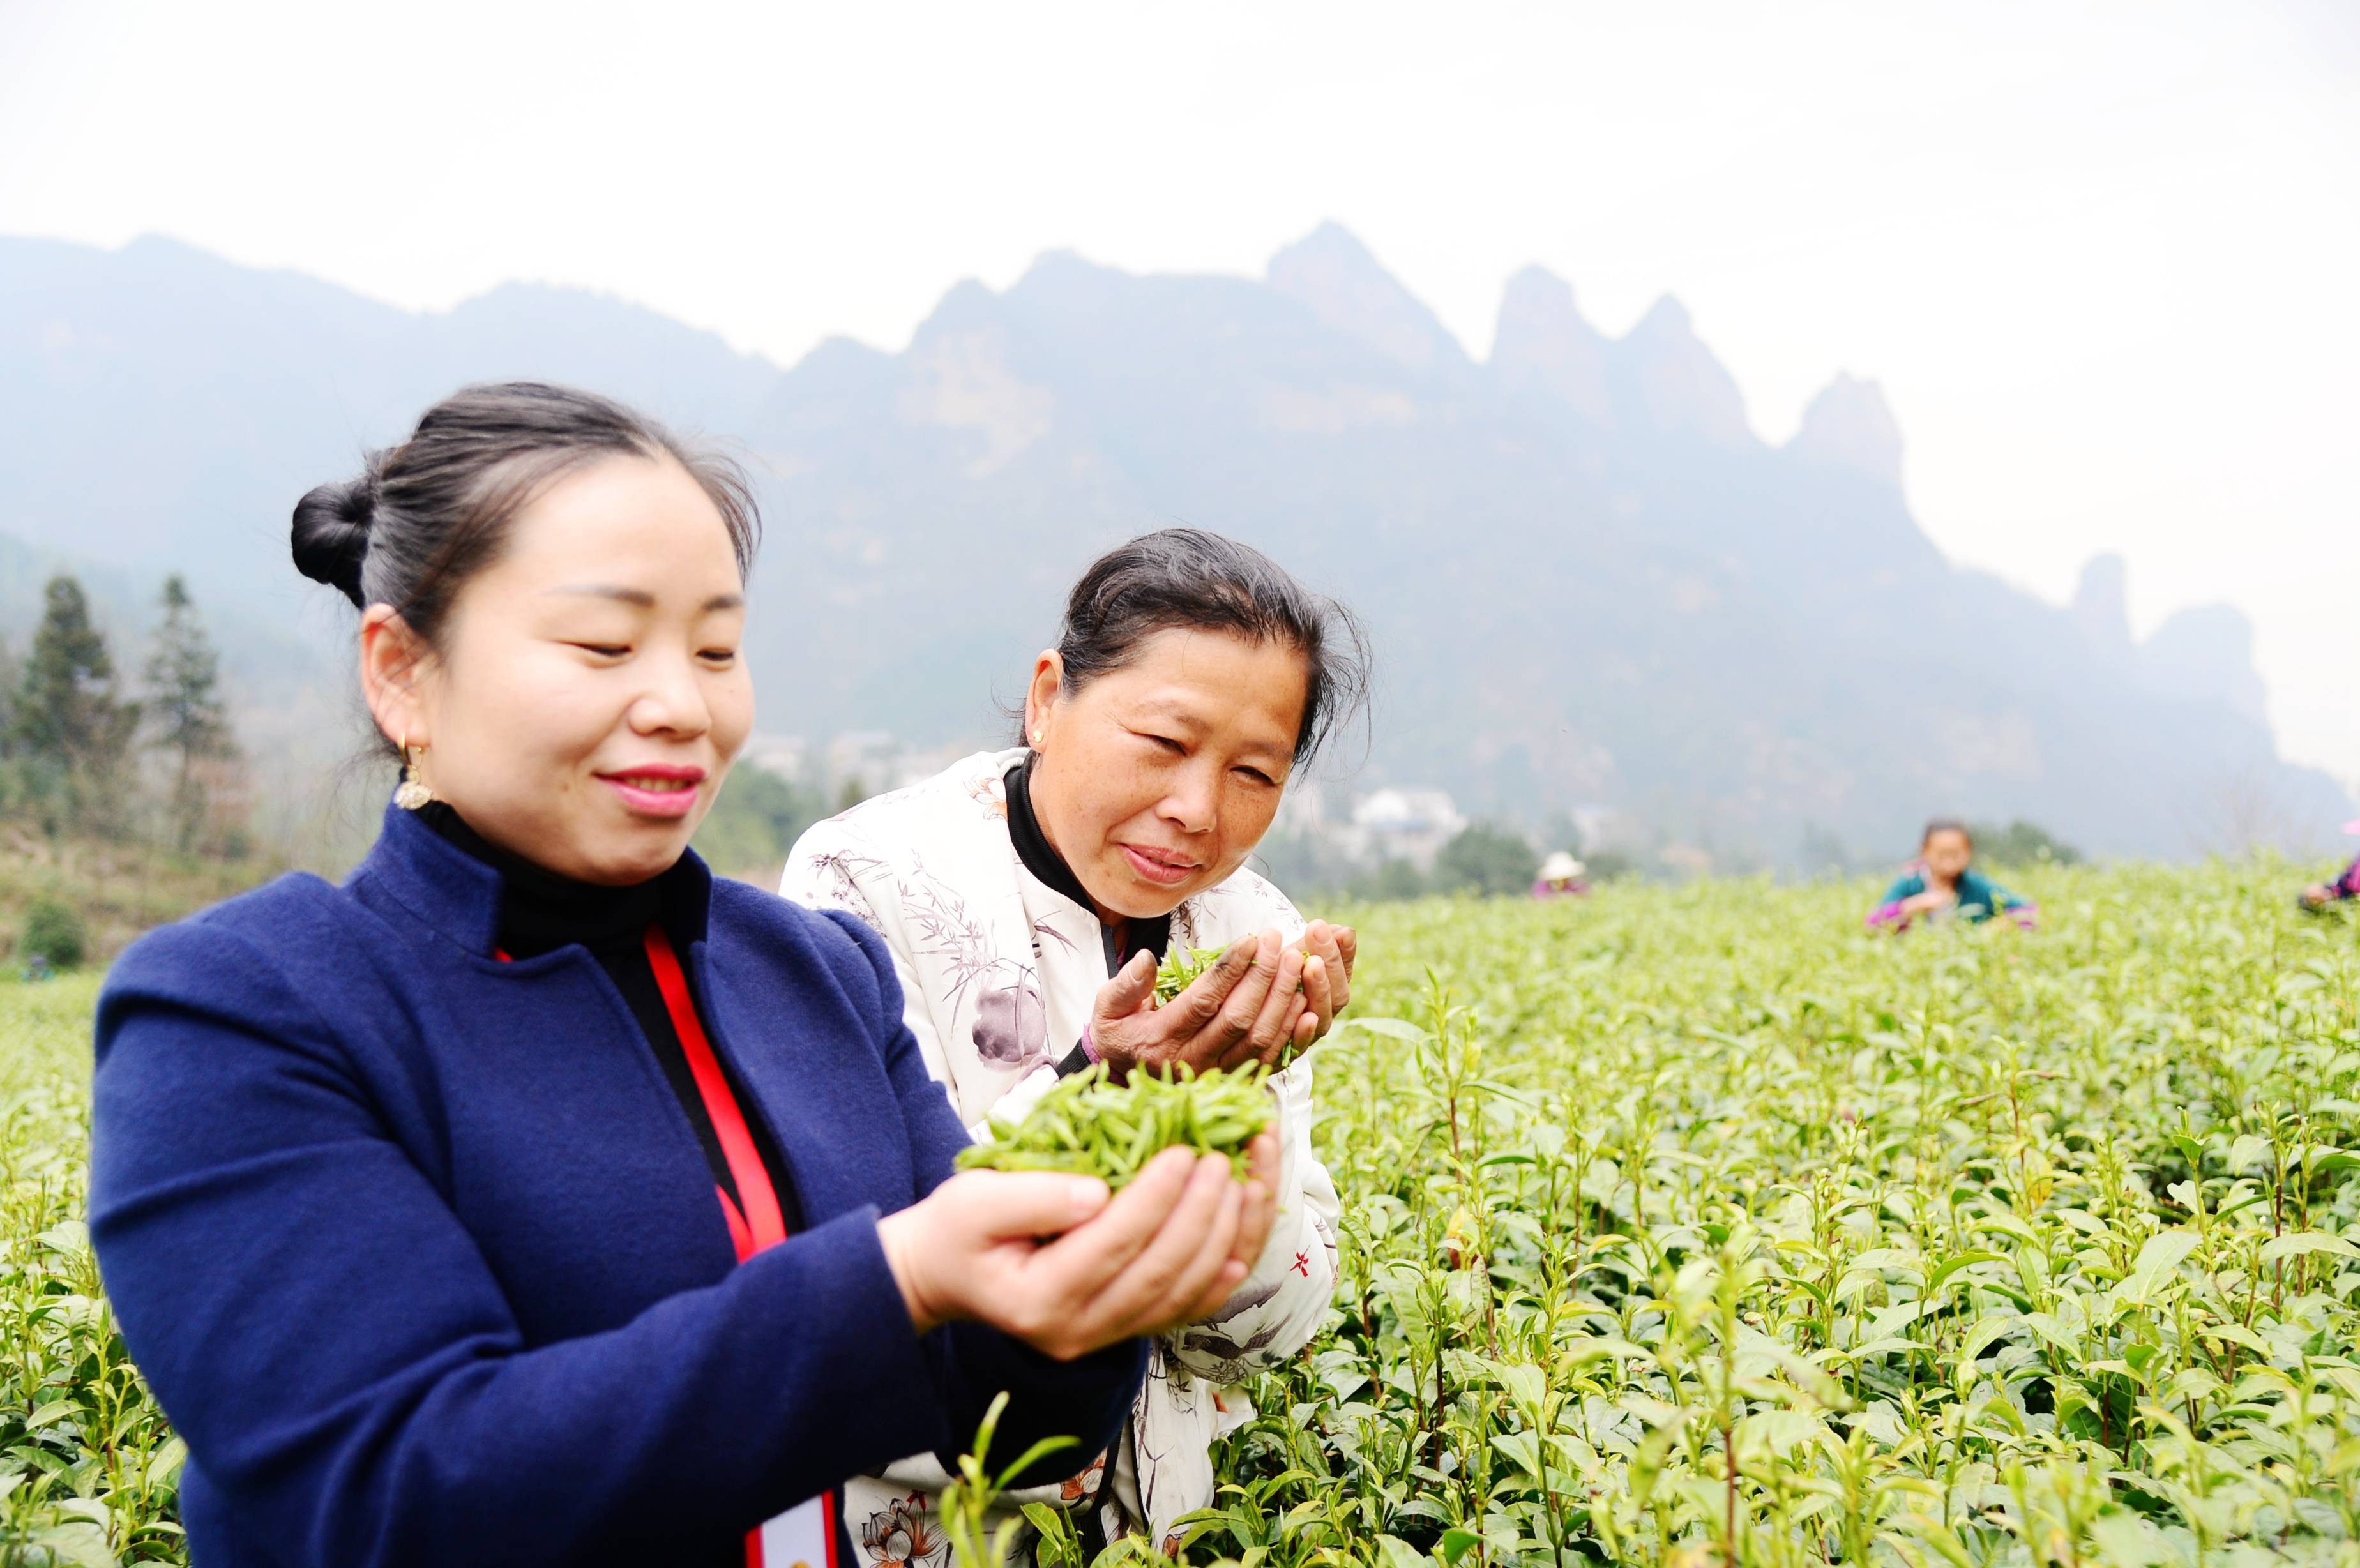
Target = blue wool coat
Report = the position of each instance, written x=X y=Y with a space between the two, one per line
x=420 y=1255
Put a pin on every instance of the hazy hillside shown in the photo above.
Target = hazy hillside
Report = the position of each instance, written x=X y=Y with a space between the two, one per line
x=1589 y=580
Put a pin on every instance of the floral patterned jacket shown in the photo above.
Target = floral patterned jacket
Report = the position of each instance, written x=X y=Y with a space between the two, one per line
x=999 y=973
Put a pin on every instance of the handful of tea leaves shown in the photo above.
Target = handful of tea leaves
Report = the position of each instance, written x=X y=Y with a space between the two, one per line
x=1181 y=966
x=1089 y=1125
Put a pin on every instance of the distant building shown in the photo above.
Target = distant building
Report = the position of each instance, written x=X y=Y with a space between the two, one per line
x=788 y=757
x=882 y=761
x=1405 y=824
x=879 y=759
x=869 y=756
x=1687 y=859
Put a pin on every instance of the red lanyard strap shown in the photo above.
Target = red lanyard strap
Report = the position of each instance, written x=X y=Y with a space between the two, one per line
x=806 y=1534
x=758 y=1224
x=757 y=1201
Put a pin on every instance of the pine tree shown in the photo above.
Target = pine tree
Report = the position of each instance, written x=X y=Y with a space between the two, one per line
x=9 y=675
x=184 y=705
x=12 y=775
x=70 y=727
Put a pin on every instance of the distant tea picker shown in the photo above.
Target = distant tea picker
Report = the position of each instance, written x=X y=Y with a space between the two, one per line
x=1941 y=884
x=2319 y=894
x=1561 y=877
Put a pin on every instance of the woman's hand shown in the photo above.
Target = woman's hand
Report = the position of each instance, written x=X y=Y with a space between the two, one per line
x=1327 y=978
x=1167 y=1251
x=1247 y=1007
x=1932 y=899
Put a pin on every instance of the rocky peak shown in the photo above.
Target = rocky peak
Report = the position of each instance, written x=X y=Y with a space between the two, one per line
x=2102 y=606
x=1332 y=273
x=1544 y=344
x=1678 y=384
x=1849 y=425
x=2206 y=653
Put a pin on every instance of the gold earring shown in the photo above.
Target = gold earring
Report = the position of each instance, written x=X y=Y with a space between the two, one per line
x=413 y=792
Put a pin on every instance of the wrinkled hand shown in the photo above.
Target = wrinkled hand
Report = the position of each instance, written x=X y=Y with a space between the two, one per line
x=2319 y=894
x=1326 y=977
x=1245 y=1008
x=1932 y=899
x=1167 y=1251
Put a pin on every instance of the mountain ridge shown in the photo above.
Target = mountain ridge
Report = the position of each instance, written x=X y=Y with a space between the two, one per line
x=1591 y=580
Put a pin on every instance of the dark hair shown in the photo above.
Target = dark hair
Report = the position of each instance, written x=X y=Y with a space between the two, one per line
x=422 y=518
x=1189 y=579
x=1946 y=824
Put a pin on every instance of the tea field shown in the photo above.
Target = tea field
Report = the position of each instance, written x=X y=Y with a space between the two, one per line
x=1683 y=1226
x=1700 y=1227
x=88 y=1466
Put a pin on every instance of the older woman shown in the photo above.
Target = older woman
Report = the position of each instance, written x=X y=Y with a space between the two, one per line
x=1026 y=897
x=536 y=1197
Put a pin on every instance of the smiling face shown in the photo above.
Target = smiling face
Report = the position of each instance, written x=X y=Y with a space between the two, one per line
x=1946 y=853
x=588 y=695
x=1155 y=781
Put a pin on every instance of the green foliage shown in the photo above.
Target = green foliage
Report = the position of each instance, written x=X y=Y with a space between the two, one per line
x=1694 y=1226
x=1486 y=859
x=2021 y=843
x=68 y=730
x=1391 y=882
x=1303 y=863
x=1090 y=1126
x=1674 y=1218
x=1824 y=853
x=118 y=888
x=966 y=1501
x=88 y=1470
x=10 y=677
x=754 y=821
x=184 y=706
x=55 y=932
x=1604 y=864
x=1180 y=968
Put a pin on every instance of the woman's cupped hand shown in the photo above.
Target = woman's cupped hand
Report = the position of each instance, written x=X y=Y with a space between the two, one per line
x=1060 y=1263
x=1266 y=996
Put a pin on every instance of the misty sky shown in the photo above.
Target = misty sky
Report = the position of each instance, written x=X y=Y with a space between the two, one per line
x=2103 y=258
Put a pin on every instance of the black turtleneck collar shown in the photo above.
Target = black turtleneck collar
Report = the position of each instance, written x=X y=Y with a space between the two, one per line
x=541 y=911
x=1152 y=933
x=1032 y=847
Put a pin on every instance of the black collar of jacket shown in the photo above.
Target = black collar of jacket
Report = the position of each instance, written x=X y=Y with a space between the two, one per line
x=461 y=897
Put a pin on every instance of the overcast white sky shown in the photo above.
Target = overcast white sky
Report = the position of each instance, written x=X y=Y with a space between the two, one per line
x=2103 y=258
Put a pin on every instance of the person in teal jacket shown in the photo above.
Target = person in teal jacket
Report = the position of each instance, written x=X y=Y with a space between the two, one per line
x=1942 y=883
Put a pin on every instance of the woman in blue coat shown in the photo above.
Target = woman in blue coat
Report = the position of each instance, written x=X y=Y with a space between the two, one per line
x=479 y=1210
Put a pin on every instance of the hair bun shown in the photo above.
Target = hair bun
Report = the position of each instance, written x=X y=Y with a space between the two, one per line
x=331 y=532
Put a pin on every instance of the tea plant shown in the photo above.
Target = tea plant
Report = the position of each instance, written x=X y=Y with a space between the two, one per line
x=89 y=1471
x=1183 y=964
x=1688 y=1227
x=1180 y=968
x=1090 y=1125
x=1701 y=1227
